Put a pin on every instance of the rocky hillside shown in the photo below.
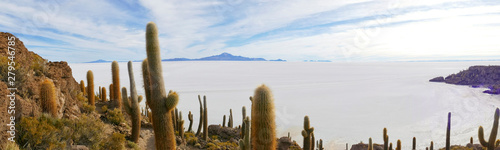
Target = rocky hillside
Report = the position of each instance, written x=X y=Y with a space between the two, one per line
x=475 y=76
x=30 y=70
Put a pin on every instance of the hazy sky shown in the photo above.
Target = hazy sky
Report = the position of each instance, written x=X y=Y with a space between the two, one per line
x=295 y=30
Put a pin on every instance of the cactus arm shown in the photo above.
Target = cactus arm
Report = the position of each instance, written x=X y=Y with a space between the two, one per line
x=481 y=137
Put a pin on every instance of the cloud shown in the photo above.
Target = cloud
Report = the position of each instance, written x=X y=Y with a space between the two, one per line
x=359 y=30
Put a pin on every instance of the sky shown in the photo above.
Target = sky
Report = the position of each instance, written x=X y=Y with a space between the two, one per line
x=294 y=30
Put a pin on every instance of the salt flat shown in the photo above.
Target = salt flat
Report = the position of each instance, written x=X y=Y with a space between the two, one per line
x=346 y=102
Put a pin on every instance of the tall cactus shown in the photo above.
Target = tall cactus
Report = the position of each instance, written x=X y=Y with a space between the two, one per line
x=448 y=128
x=103 y=94
x=115 y=69
x=245 y=141
x=306 y=133
x=82 y=87
x=244 y=115
x=163 y=103
x=491 y=143
x=201 y=117
x=386 y=139
x=432 y=146
x=90 y=90
x=190 y=117
x=263 y=120
x=224 y=121
x=100 y=93
x=132 y=105
x=205 y=119
x=48 y=97
x=180 y=126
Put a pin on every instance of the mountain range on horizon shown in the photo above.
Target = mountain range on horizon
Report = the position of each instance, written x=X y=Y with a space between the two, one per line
x=221 y=57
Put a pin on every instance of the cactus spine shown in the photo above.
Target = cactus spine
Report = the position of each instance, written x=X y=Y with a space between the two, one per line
x=132 y=105
x=115 y=69
x=448 y=132
x=163 y=104
x=103 y=94
x=82 y=87
x=190 y=117
x=491 y=143
x=90 y=90
x=48 y=97
x=386 y=139
x=245 y=141
x=306 y=133
x=205 y=119
x=263 y=124
x=370 y=144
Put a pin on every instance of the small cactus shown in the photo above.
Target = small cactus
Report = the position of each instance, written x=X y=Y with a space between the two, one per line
x=386 y=139
x=201 y=117
x=190 y=117
x=491 y=143
x=390 y=146
x=414 y=145
x=90 y=92
x=48 y=97
x=103 y=94
x=432 y=146
x=230 y=122
x=471 y=141
x=115 y=69
x=370 y=144
x=245 y=141
x=180 y=126
x=448 y=132
x=263 y=132
x=398 y=147
x=111 y=94
x=306 y=133
x=82 y=87
x=320 y=145
x=224 y=121
x=132 y=105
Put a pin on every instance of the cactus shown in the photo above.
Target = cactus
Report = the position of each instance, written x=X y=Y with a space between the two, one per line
x=90 y=88
x=263 y=124
x=180 y=126
x=205 y=119
x=175 y=115
x=48 y=97
x=448 y=132
x=115 y=69
x=471 y=141
x=320 y=145
x=224 y=121
x=386 y=139
x=390 y=146
x=245 y=141
x=163 y=103
x=201 y=117
x=190 y=117
x=398 y=146
x=414 y=145
x=82 y=87
x=307 y=134
x=132 y=105
x=103 y=94
x=312 y=141
x=346 y=146
x=111 y=94
x=230 y=121
x=100 y=93
x=244 y=115
x=432 y=146
x=491 y=143
x=370 y=144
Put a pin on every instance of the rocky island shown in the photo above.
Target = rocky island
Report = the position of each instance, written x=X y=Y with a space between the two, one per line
x=475 y=76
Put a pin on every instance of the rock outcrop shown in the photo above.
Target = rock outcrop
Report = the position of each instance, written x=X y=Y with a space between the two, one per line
x=30 y=70
x=476 y=76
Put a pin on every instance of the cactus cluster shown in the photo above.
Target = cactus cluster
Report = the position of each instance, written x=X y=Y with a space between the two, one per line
x=163 y=103
x=132 y=105
x=48 y=97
